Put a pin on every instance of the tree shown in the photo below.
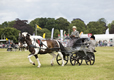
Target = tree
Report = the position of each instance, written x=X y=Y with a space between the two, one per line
x=34 y=22
x=96 y=28
x=11 y=33
x=11 y=23
x=1 y=32
x=103 y=22
x=42 y=22
x=81 y=27
x=56 y=32
x=50 y=23
x=23 y=26
x=5 y=24
x=111 y=27
x=62 y=23
x=44 y=30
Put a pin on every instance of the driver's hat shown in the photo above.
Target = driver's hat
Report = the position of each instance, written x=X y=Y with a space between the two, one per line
x=74 y=27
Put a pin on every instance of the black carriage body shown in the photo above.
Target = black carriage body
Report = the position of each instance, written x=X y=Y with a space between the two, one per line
x=79 y=49
x=81 y=53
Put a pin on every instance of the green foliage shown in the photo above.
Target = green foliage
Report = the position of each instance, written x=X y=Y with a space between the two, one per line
x=81 y=27
x=111 y=27
x=102 y=20
x=44 y=30
x=5 y=24
x=50 y=23
x=96 y=28
x=11 y=23
x=1 y=32
x=34 y=22
x=56 y=32
x=62 y=23
x=11 y=33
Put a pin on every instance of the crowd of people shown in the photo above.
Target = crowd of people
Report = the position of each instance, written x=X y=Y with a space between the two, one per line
x=8 y=44
x=105 y=43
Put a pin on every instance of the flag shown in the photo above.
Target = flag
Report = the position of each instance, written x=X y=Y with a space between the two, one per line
x=52 y=31
x=61 y=33
x=39 y=27
x=107 y=31
x=89 y=34
x=65 y=35
x=6 y=39
x=68 y=35
x=81 y=33
x=44 y=35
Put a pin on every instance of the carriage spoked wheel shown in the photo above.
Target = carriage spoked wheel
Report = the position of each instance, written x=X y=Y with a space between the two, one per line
x=75 y=59
x=59 y=59
x=90 y=60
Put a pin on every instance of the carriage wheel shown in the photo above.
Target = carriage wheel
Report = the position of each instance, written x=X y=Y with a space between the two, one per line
x=75 y=59
x=59 y=60
x=79 y=61
x=90 y=60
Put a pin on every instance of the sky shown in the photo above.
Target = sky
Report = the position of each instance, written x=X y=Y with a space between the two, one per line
x=87 y=10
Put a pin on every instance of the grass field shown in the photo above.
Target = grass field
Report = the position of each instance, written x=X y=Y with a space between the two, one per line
x=15 y=66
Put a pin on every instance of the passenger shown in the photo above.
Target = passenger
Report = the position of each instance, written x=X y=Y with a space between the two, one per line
x=74 y=36
x=92 y=44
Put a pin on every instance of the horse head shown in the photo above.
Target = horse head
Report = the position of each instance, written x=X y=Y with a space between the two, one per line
x=23 y=37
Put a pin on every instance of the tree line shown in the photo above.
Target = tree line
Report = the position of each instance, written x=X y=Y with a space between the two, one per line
x=11 y=29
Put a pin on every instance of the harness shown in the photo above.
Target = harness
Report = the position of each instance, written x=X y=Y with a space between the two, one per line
x=39 y=42
x=42 y=44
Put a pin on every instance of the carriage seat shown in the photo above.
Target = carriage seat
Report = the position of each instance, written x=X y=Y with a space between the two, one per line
x=70 y=49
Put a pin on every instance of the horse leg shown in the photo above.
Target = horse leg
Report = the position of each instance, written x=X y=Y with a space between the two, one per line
x=30 y=55
x=36 y=56
x=19 y=49
x=54 y=55
x=61 y=55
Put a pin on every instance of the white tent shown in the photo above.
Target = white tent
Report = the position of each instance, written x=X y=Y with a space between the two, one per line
x=104 y=37
x=100 y=36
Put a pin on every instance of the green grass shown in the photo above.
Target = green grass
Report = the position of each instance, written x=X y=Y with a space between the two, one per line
x=15 y=66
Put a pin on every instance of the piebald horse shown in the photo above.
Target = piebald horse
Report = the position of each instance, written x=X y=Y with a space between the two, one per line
x=38 y=46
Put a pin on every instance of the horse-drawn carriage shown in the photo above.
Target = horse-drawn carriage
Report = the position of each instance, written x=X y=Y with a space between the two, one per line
x=77 y=53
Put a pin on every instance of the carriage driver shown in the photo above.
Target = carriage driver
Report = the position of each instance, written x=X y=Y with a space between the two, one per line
x=92 y=44
x=74 y=36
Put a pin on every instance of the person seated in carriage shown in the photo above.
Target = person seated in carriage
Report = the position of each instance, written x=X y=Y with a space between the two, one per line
x=92 y=44
x=74 y=36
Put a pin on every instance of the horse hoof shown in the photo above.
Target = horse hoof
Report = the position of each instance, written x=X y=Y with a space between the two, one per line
x=33 y=63
x=38 y=66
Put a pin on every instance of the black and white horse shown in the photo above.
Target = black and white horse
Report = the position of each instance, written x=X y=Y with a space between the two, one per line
x=38 y=46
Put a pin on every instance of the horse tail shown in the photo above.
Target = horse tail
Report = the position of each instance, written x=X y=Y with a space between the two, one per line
x=63 y=50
